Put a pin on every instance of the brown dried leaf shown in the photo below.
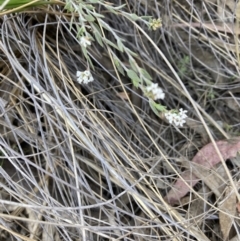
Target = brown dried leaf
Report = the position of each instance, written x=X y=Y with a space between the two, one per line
x=207 y=157
x=195 y=210
x=215 y=178
x=180 y=189
x=228 y=205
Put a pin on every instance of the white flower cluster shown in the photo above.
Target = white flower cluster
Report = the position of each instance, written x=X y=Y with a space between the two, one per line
x=176 y=118
x=84 y=41
x=155 y=91
x=84 y=77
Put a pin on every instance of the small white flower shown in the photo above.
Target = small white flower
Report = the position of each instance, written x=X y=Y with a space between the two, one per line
x=158 y=94
x=170 y=117
x=151 y=87
x=182 y=113
x=155 y=91
x=84 y=41
x=84 y=77
x=179 y=122
x=177 y=119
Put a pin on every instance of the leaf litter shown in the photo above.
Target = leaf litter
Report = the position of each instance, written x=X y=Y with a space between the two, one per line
x=206 y=157
x=227 y=210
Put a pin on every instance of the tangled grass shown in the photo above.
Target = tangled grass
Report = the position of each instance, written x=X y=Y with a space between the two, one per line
x=93 y=162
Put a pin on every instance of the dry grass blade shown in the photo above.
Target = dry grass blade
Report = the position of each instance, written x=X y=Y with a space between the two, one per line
x=84 y=162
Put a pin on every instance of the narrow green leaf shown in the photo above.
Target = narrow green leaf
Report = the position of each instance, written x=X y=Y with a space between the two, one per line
x=153 y=106
x=106 y=41
x=145 y=74
x=119 y=66
x=111 y=8
x=119 y=7
x=80 y=31
x=105 y=25
x=133 y=64
x=134 y=17
x=146 y=17
x=120 y=69
x=84 y=50
x=120 y=45
x=133 y=76
x=160 y=108
x=89 y=18
x=97 y=15
x=128 y=51
x=89 y=6
x=98 y=37
x=16 y=4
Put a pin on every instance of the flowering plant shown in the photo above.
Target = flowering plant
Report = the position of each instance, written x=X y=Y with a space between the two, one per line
x=84 y=77
x=178 y=118
x=87 y=30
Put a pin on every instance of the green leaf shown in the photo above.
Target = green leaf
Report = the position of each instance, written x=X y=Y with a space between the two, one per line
x=133 y=76
x=118 y=65
x=119 y=7
x=120 y=45
x=84 y=50
x=153 y=106
x=127 y=50
x=89 y=6
x=146 y=17
x=80 y=31
x=89 y=18
x=20 y=3
x=97 y=33
x=97 y=15
x=112 y=9
x=134 y=16
x=133 y=64
x=69 y=7
x=105 y=25
x=90 y=63
x=160 y=107
x=145 y=74
x=98 y=37
x=156 y=108
x=71 y=23
x=106 y=41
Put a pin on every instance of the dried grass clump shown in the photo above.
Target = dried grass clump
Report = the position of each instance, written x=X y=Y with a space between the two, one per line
x=94 y=162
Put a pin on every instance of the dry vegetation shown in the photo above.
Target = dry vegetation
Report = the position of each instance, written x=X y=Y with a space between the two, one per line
x=94 y=162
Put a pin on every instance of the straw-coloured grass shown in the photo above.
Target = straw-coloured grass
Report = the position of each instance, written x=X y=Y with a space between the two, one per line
x=94 y=161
